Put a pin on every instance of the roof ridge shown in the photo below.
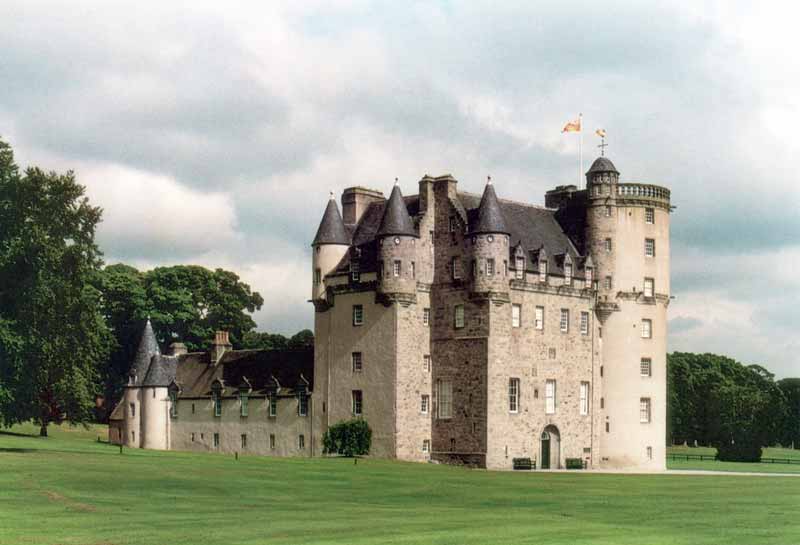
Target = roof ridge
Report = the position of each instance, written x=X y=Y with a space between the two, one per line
x=511 y=201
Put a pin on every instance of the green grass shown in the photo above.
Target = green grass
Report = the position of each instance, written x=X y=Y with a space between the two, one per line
x=69 y=489
x=712 y=465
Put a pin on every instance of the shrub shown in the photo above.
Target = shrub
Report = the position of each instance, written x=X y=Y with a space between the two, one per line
x=348 y=438
x=740 y=451
x=574 y=463
x=522 y=463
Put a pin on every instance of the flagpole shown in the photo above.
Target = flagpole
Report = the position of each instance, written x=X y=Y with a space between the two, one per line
x=580 y=147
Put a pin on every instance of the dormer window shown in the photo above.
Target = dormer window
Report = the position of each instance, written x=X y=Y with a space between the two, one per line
x=543 y=271
x=244 y=398
x=519 y=265
x=302 y=403
x=355 y=272
x=568 y=274
x=589 y=276
x=173 y=400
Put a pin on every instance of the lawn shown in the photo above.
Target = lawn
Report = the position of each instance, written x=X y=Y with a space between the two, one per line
x=69 y=489
x=713 y=465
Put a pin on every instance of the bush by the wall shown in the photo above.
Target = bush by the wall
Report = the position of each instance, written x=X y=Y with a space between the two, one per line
x=741 y=451
x=348 y=438
x=574 y=463
x=522 y=463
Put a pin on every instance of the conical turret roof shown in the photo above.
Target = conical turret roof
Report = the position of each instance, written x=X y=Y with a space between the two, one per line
x=148 y=347
x=331 y=229
x=490 y=215
x=602 y=164
x=396 y=220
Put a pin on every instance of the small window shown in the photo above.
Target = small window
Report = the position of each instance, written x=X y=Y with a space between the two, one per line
x=644 y=410
x=649 y=452
x=302 y=404
x=397 y=267
x=452 y=444
x=519 y=266
x=301 y=441
x=217 y=405
x=516 y=311
x=192 y=437
x=317 y=276
x=273 y=405
x=272 y=441
x=608 y=283
x=607 y=427
x=490 y=267
x=358 y=315
x=647 y=329
x=413 y=269
x=425 y=404
x=550 y=397
x=445 y=399
x=607 y=245
x=505 y=268
x=244 y=440
x=192 y=408
x=551 y=353
x=584 y=398
x=646 y=367
x=539 y=318
x=589 y=277
x=358 y=402
x=649 y=287
x=216 y=440
x=355 y=272
x=133 y=436
x=474 y=268
x=243 y=402
x=649 y=215
x=568 y=274
x=459 y=316
x=543 y=271
x=608 y=211
x=584 y=323
x=602 y=403
x=132 y=410
x=426 y=363
x=426 y=445
x=426 y=316
x=564 y=324
x=513 y=395
x=453 y=224
x=455 y=265
x=356 y=357
x=649 y=247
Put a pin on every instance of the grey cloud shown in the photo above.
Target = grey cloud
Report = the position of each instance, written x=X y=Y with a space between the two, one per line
x=683 y=324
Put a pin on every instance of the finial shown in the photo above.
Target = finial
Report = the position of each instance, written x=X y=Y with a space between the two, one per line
x=396 y=181
x=148 y=317
x=488 y=180
x=332 y=197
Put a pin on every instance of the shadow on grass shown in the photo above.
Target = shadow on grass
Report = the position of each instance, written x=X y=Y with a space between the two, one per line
x=17 y=434
x=19 y=450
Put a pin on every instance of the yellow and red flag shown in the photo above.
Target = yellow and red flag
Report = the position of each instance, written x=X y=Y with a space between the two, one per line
x=572 y=126
x=601 y=133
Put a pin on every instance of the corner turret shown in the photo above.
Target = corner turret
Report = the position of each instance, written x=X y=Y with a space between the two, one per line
x=397 y=238
x=490 y=245
x=330 y=245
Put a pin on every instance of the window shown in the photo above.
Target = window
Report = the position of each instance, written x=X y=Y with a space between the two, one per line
x=644 y=409
x=474 y=268
x=192 y=408
x=243 y=402
x=646 y=367
x=445 y=399
x=272 y=441
x=244 y=440
x=216 y=440
x=459 y=316
x=607 y=428
x=490 y=267
x=217 y=405
x=647 y=329
x=132 y=410
x=519 y=265
x=455 y=265
x=649 y=215
x=608 y=211
x=426 y=363
x=453 y=224
x=584 y=323
x=649 y=287
x=513 y=395
x=192 y=437
x=413 y=269
x=356 y=357
x=397 y=267
x=602 y=403
x=426 y=445
x=564 y=320
x=358 y=314
x=505 y=268
x=608 y=283
x=301 y=441
x=584 y=398
x=516 y=311
x=649 y=247
x=568 y=274
x=426 y=316
x=589 y=277
x=358 y=402
x=425 y=404
x=302 y=404
x=452 y=444
x=355 y=272
x=551 y=353
x=543 y=271
x=133 y=436
x=317 y=276
x=649 y=453
x=550 y=397
x=607 y=245
x=273 y=405
x=538 y=322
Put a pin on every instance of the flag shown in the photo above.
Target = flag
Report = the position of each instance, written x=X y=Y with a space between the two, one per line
x=601 y=133
x=572 y=126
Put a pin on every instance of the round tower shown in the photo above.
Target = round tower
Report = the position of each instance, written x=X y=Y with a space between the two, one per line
x=627 y=237
x=133 y=397
x=489 y=237
x=329 y=247
x=397 y=251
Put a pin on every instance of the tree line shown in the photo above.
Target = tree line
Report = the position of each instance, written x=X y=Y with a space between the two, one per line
x=716 y=401
x=69 y=327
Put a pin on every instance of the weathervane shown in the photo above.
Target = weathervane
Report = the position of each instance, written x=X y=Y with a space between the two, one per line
x=602 y=134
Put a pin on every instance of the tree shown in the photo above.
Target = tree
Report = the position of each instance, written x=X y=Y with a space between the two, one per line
x=348 y=438
x=302 y=339
x=790 y=433
x=52 y=335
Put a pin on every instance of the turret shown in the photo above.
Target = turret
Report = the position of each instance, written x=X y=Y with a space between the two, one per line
x=133 y=395
x=490 y=245
x=397 y=239
x=329 y=247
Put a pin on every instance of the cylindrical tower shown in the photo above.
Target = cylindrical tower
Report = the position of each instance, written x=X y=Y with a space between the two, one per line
x=329 y=247
x=490 y=246
x=397 y=239
x=132 y=407
x=155 y=417
x=627 y=236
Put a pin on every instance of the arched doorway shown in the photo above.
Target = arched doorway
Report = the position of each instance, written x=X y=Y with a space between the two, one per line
x=551 y=448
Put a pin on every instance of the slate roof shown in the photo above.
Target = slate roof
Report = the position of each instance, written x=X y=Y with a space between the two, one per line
x=161 y=372
x=602 y=164
x=490 y=218
x=396 y=220
x=148 y=347
x=331 y=229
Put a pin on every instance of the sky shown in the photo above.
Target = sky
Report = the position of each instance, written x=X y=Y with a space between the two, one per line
x=213 y=134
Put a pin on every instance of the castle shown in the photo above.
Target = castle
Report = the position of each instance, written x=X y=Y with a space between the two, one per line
x=463 y=328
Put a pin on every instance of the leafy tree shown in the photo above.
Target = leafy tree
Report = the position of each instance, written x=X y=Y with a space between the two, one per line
x=302 y=339
x=790 y=434
x=348 y=438
x=52 y=334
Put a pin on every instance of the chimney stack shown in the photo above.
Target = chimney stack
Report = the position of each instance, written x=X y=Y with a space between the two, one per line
x=177 y=349
x=220 y=345
x=355 y=201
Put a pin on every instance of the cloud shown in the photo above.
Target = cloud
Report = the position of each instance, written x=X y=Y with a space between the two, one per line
x=682 y=324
